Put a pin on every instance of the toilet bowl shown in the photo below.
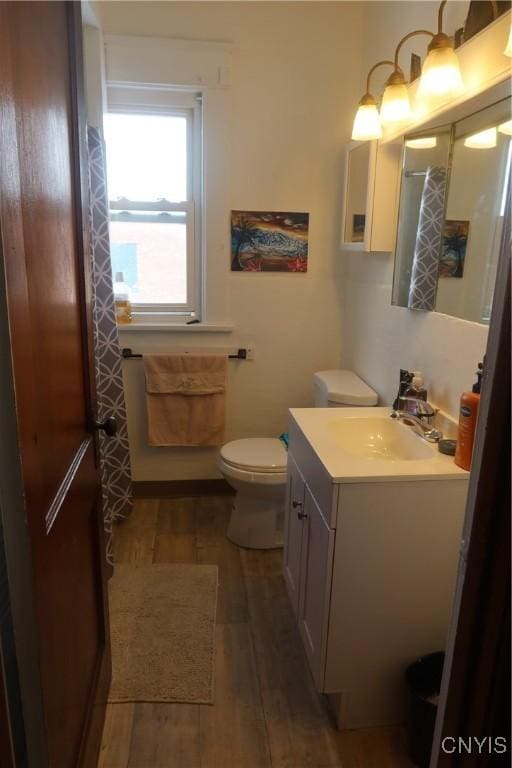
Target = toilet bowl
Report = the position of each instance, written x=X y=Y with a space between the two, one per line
x=255 y=467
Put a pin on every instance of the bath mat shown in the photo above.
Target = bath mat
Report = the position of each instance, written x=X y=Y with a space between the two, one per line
x=162 y=620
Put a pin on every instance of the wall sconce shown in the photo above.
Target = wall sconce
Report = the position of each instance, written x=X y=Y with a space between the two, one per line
x=440 y=75
x=367 y=121
x=482 y=140
x=396 y=105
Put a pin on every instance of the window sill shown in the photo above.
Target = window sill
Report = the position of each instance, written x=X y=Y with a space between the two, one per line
x=182 y=328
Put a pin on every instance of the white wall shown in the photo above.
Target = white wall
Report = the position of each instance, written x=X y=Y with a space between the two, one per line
x=379 y=339
x=293 y=96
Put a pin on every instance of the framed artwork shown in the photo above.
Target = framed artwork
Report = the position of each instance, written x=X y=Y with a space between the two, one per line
x=268 y=241
x=453 y=248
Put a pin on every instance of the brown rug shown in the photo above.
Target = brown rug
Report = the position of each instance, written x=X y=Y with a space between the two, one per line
x=162 y=620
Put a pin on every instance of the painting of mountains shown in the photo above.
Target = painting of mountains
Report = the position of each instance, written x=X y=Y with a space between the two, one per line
x=269 y=241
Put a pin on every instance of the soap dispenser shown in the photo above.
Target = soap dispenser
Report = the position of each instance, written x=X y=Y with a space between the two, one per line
x=405 y=380
x=415 y=391
x=469 y=403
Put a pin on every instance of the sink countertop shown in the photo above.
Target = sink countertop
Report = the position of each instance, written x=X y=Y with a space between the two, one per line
x=319 y=424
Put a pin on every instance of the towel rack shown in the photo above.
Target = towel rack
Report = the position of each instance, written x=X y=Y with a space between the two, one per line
x=127 y=354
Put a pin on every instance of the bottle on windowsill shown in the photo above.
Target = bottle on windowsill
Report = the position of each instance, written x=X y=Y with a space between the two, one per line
x=122 y=301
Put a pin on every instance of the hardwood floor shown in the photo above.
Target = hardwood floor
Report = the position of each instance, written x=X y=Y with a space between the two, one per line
x=267 y=713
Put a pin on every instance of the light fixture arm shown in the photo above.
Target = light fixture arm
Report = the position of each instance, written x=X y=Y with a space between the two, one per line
x=407 y=37
x=375 y=66
x=441 y=11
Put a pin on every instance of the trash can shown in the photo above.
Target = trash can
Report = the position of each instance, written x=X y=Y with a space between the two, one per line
x=423 y=679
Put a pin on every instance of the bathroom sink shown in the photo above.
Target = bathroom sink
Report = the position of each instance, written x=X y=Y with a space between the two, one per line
x=365 y=444
x=379 y=438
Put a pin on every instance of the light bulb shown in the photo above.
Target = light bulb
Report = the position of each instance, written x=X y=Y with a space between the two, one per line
x=508 y=49
x=482 y=140
x=395 y=107
x=506 y=128
x=427 y=142
x=440 y=76
x=366 y=122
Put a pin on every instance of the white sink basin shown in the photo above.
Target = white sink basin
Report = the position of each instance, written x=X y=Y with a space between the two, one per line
x=365 y=444
x=379 y=438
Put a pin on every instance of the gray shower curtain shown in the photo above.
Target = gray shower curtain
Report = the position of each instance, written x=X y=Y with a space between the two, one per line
x=116 y=486
x=425 y=265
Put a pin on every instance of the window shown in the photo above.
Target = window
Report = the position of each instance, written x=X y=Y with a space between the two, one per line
x=154 y=185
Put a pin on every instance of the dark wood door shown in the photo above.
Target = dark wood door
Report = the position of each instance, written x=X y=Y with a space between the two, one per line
x=42 y=199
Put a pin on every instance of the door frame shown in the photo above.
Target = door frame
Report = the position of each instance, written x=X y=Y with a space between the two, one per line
x=475 y=693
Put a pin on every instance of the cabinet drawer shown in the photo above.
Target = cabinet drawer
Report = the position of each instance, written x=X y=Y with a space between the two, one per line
x=315 y=475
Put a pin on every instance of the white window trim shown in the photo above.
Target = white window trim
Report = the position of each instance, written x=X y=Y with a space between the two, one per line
x=129 y=101
x=158 y=64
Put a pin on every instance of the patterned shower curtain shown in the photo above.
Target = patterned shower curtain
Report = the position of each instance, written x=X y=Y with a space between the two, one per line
x=115 y=468
x=425 y=265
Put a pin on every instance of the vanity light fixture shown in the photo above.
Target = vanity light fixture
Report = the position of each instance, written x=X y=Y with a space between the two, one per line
x=426 y=142
x=483 y=139
x=506 y=128
x=440 y=75
x=396 y=105
x=367 y=121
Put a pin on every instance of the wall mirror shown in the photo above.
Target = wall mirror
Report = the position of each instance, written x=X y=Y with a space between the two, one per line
x=452 y=203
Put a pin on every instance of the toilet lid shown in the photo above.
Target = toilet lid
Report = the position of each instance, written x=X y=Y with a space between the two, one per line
x=259 y=454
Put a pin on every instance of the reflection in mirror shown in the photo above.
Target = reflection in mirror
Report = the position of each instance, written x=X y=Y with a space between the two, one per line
x=420 y=154
x=474 y=215
x=355 y=196
x=449 y=235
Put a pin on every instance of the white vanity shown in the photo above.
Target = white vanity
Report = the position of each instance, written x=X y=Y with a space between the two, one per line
x=374 y=516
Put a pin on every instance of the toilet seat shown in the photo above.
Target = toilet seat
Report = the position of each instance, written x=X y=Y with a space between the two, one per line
x=255 y=455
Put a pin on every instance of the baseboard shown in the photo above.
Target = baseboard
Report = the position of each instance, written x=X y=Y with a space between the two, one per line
x=179 y=489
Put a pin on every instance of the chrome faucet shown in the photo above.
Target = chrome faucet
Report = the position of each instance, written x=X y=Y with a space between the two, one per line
x=419 y=421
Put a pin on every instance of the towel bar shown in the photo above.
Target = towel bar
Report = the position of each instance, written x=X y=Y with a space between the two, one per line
x=127 y=354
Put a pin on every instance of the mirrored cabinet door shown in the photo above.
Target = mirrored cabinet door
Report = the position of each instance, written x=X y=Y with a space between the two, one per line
x=372 y=177
x=452 y=203
x=358 y=165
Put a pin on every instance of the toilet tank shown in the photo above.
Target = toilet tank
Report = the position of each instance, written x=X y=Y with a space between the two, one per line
x=341 y=389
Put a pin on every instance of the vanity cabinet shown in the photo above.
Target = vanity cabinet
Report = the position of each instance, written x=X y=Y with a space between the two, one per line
x=308 y=565
x=370 y=570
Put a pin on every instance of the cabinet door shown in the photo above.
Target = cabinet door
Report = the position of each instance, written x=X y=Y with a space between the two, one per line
x=293 y=529
x=316 y=573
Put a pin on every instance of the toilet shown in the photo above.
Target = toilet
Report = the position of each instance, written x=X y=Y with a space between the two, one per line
x=255 y=467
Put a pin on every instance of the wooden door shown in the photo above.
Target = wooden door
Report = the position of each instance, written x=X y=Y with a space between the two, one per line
x=316 y=578
x=294 y=524
x=42 y=220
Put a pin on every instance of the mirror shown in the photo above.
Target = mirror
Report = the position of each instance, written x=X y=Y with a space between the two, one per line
x=452 y=202
x=358 y=159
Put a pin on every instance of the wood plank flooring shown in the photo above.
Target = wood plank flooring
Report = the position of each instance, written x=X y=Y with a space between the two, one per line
x=267 y=713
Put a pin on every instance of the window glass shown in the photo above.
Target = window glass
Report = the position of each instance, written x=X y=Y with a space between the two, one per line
x=146 y=157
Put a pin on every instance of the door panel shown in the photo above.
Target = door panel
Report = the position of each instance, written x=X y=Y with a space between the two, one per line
x=41 y=222
x=293 y=533
x=41 y=91
x=317 y=563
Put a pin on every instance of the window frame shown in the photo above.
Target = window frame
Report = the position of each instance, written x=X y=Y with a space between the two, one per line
x=176 y=102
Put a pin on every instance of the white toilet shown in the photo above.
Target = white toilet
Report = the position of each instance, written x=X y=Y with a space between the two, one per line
x=256 y=466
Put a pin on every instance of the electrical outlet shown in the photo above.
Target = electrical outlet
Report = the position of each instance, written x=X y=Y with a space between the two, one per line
x=250 y=353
